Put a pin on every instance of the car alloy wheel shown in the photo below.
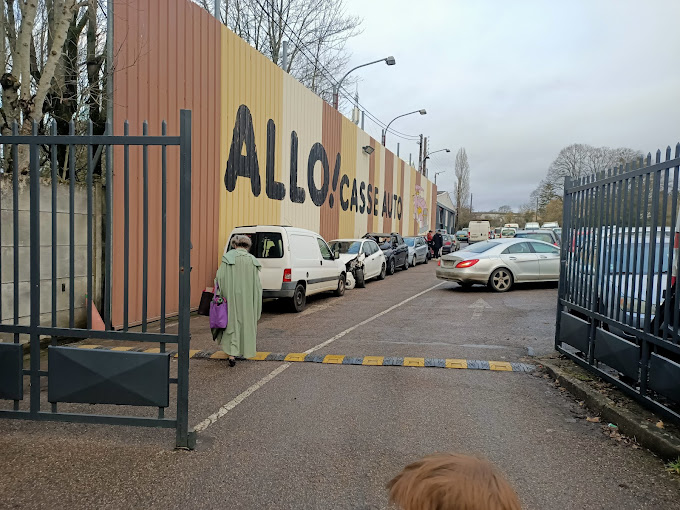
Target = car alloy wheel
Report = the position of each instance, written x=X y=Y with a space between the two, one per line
x=383 y=271
x=501 y=280
x=392 y=267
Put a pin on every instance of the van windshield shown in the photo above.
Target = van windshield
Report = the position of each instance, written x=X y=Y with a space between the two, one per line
x=266 y=245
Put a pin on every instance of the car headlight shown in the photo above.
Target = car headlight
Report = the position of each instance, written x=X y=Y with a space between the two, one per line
x=632 y=305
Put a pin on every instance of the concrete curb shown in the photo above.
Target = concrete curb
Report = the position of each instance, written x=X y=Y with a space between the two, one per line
x=630 y=423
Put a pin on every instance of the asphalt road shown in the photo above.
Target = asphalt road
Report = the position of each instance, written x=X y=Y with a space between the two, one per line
x=309 y=435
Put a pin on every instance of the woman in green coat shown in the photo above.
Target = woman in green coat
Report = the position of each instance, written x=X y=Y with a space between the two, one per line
x=238 y=278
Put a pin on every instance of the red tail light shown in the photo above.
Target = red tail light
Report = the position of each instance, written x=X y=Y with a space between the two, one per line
x=467 y=263
x=447 y=243
x=287 y=275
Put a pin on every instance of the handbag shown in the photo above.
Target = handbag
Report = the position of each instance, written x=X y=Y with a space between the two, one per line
x=219 y=316
x=204 y=305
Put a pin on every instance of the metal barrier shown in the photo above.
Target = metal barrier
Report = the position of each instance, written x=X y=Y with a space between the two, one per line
x=78 y=376
x=617 y=315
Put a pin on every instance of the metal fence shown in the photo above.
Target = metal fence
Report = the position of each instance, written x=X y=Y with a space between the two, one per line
x=124 y=376
x=617 y=312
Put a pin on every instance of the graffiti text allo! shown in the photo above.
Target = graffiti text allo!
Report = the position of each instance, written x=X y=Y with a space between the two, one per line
x=354 y=195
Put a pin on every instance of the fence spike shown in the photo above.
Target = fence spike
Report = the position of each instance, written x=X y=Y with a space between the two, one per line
x=126 y=127
x=34 y=128
x=164 y=127
x=658 y=155
x=109 y=127
x=145 y=127
x=677 y=150
x=649 y=159
x=668 y=153
x=53 y=128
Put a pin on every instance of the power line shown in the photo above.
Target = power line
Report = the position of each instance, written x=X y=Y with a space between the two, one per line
x=303 y=50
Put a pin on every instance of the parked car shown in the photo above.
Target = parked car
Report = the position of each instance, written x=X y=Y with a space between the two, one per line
x=450 y=245
x=394 y=248
x=507 y=232
x=551 y=225
x=417 y=250
x=512 y=225
x=296 y=263
x=461 y=235
x=501 y=264
x=479 y=231
x=545 y=235
x=497 y=232
x=531 y=226
x=363 y=260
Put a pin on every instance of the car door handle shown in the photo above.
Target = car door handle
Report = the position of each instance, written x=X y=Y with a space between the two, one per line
x=512 y=258
x=543 y=256
x=321 y=262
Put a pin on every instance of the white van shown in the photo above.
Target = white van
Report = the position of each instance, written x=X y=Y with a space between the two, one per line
x=478 y=231
x=296 y=263
x=532 y=226
x=551 y=225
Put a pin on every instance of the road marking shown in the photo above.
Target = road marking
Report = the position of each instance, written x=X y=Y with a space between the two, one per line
x=370 y=319
x=240 y=398
x=373 y=360
x=295 y=356
x=478 y=306
x=333 y=359
x=414 y=362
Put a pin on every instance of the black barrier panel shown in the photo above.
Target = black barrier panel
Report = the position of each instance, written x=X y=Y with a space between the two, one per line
x=91 y=376
x=618 y=353
x=574 y=332
x=664 y=377
x=11 y=371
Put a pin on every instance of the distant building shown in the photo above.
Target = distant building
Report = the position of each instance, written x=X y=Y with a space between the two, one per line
x=446 y=212
x=493 y=217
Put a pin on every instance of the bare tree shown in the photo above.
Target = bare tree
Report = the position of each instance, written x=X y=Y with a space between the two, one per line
x=462 y=170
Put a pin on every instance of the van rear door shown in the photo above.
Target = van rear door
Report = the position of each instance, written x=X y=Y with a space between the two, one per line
x=268 y=248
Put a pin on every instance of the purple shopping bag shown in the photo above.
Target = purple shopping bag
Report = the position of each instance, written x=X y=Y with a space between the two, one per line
x=219 y=316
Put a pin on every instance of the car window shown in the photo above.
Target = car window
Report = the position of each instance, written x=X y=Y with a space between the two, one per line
x=325 y=251
x=481 y=247
x=517 y=248
x=545 y=248
x=400 y=240
x=539 y=236
x=351 y=247
x=265 y=245
x=410 y=241
x=374 y=247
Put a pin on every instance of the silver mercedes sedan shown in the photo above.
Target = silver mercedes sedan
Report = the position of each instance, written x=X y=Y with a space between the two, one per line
x=501 y=263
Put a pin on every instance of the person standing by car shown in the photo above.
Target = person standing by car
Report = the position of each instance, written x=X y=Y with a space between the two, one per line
x=428 y=238
x=238 y=281
x=437 y=243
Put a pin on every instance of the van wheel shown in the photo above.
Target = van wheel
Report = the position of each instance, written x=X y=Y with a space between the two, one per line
x=299 y=299
x=500 y=280
x=361 y=282
x=383 y=272
x=340 y=291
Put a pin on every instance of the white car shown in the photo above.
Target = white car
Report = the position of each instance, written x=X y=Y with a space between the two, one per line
x=296 y=263
x=363 y=259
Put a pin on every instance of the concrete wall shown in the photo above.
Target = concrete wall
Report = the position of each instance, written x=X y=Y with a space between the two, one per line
x=63 y=282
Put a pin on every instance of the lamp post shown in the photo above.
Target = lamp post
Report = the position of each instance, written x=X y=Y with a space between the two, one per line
x=434 y=152
x=436 y=174
x=427 y=156
x=336 y=87
x=422 y=112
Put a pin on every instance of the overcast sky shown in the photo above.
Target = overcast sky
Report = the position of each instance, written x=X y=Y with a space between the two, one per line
x=514 y=82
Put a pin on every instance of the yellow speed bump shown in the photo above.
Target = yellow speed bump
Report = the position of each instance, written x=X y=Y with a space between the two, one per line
x=122 y=348
x=414 y=362
x=260 y=356
x=153 y=349
x=192 y=353
x=295 y=356
x=90 y=347
x=334 y=359
x=503 y=366
x=373 y=360
x=219 y=355
x=456 y=363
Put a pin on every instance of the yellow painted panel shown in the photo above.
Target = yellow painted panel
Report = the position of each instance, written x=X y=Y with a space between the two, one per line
x=333 y=359
x=456 y=363
x=503 y=366
x=295 y=356
x=414 y=362
x=408 y=200
x=373 y=360
x=260 y=356
x=350 y=217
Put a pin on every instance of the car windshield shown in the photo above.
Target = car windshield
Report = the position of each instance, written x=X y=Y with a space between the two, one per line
x=637 y=260
x=539 y=236
x=351 y=247
x=411 y=241
x=481 y=247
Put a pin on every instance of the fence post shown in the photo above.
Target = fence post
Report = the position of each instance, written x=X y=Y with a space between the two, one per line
x=566 y=209
x=185 y=438
x=34 y=169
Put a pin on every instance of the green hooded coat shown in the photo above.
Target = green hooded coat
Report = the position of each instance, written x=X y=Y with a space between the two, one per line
x=239 y=280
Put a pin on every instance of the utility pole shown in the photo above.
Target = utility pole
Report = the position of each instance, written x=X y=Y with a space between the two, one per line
x=284 y=63
x=425 y=156
x=536 y=209
x=420 y=155
x=470 y=205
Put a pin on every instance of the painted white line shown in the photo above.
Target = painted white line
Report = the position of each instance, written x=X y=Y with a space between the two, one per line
x=370 y=319
x=240 y=398
x=236 y=401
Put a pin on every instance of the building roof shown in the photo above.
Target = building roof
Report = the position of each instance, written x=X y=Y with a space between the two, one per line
x=444 y=200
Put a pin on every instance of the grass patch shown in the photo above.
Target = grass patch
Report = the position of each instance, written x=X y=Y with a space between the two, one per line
x=674 y=466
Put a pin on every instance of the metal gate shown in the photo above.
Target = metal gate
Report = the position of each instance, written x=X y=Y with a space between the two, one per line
x=125 y=379
x=617 y=314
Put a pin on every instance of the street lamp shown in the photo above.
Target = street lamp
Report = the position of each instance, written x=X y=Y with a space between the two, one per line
x=436 y=174
x=433 y=152
x=336 y=87
x=422 y=112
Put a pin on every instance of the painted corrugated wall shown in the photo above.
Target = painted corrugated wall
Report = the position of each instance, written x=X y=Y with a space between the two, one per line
x=265 y=149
